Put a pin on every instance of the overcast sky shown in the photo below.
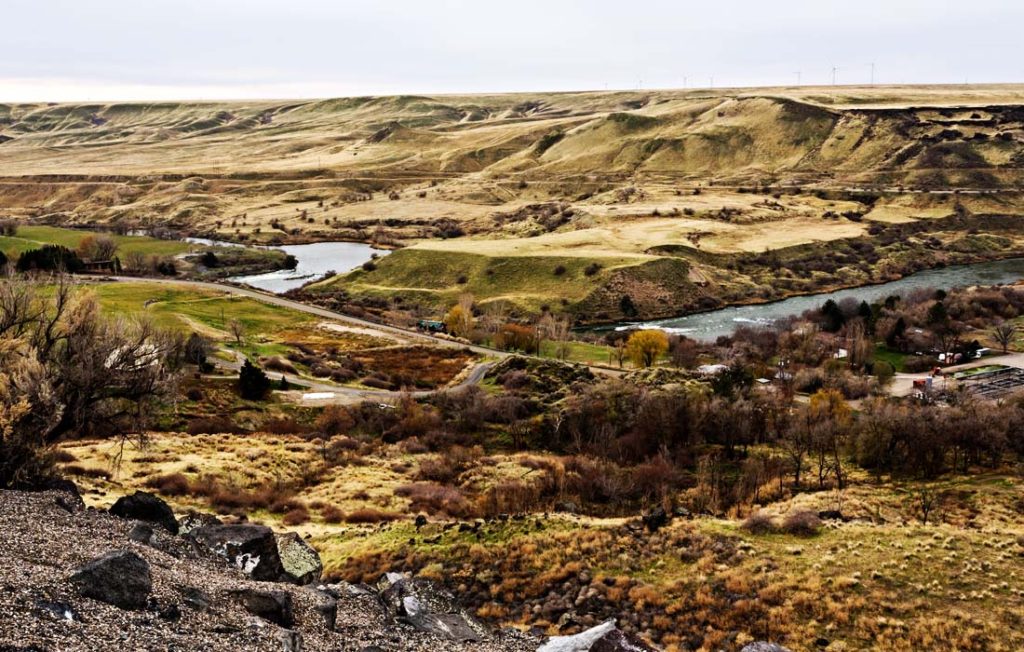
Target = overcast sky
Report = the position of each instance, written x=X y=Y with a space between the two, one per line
x=220 y=49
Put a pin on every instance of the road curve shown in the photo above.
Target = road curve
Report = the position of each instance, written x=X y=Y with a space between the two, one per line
x=284 y=302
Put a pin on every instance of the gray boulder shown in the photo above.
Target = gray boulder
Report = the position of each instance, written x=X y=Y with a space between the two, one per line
x=120 y=578
x=300 y=562
x=605 y=637
x=142 y=506
x=764 y=646
x=274 y=606
x=428 y=608
x=251 y=548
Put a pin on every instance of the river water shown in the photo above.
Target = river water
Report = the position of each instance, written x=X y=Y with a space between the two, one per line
x=314 y=261
x=710 y=325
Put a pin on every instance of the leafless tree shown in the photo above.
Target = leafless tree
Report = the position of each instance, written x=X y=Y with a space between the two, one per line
x=237 y=329
x=1004 y=334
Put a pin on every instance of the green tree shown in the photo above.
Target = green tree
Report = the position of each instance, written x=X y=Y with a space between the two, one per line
x=253 y=384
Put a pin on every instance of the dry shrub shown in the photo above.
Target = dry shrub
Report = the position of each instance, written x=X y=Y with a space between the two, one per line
x=62 y=456
x=87 y=472
x=284 y=426
x=433 y=498
x=509 y=497
x=802 y=523
x=759 y=523
x=212 y=426
x=171 y=484
x=331 y=514
x=438 y=470
x=370 y=515
x=335 y=420
x=277 y=363
x=297 y=516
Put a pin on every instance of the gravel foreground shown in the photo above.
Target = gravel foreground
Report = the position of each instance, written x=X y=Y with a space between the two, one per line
x=45 y=536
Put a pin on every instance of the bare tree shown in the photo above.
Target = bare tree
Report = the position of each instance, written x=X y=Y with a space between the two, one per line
x=1004 y=334
x=237 y=329
x=64 y=369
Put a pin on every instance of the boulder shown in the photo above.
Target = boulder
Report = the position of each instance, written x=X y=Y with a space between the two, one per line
x=274 y=606
x=605 y=637
x=120 y=578
x=656 y=519
x=300 y=562
x=764 y=646
x=252 y=548
x=141 y=533
x=194 y=520
x=142 y=506
x=428 y=608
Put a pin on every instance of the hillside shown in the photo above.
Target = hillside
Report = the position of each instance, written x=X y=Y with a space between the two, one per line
x=616 y=178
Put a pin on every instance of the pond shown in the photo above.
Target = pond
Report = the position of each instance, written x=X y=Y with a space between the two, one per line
x=314 y=261
x=710 y=325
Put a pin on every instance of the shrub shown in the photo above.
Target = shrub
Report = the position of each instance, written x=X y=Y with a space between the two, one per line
x=433 y=498
x=212 y=426
x=171 y=484
x=369 y=515
x=296 y=516
x=803 y=523
x=559 y=270
x=331 y=514
x=591 y=269
x=759 y=523
x=335 y=420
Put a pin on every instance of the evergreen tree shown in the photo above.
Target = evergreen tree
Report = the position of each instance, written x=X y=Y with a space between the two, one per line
x=253 y=384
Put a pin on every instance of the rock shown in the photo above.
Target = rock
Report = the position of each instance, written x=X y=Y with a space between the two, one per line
x=428 y=608
x=764 y=646
x=59 y=610
x=421 y=520
x=194 y=520
x=252 y=548
x=656 y=519
x=290 y=641
x=605 y=637
x=120 y=578
x=194 y=598
x=70 y=499
x=141 y=533
x=328 y=608
x=300 y=562
x=142 y=506
x=567 y=507
x=274 y=606
x=831 y=515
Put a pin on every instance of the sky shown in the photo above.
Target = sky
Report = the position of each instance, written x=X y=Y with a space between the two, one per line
x=101 y=50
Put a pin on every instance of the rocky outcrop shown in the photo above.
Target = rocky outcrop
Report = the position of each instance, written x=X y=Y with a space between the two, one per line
x=273 y=606
x=605 y=637
x=252 y=548
x=120 y=578
x=428 y=608
x=142 y=506
x=299 y=562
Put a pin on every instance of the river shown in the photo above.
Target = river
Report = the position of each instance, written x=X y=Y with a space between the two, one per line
x=710 y=325
x=314 y=261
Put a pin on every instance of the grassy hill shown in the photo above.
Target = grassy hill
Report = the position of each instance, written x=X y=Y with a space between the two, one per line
x=572 y=178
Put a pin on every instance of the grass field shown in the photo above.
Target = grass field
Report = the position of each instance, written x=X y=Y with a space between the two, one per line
x=33 y=237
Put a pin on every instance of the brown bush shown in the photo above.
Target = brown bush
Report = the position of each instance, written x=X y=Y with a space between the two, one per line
x=331 y=514
x=277 y=363
x=87 y=472
x=297 y=516
x=171 y=484
x=62 y=456
x=438 y=470
x=284 y=426
x=509 y=497
x=433 y=498
x=370 y=515
x=759 y=523
x=803 y=523
x=212 y=426
x=335 y=420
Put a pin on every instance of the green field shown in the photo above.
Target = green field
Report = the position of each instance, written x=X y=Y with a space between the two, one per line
x=438 y=278
x=193 y=309
x=34 y=237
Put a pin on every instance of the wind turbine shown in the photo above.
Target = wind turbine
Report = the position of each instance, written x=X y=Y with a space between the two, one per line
x=835 y=73
x=798 y=75
x=872 y=64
